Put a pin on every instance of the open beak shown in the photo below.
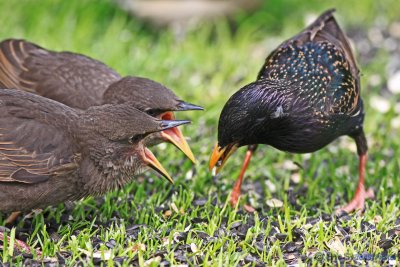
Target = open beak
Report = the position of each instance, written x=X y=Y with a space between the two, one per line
x=220 y=156
x=175 y=136
x=153 y=163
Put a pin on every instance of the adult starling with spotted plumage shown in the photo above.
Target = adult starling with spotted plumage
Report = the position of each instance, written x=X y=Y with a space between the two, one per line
x=82 y=82
x=51 y=153
x=306 y=95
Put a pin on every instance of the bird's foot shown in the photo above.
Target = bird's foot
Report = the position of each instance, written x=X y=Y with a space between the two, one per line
x=235 y=195
x=18 y=244
x=234 y=199
x=358 y=201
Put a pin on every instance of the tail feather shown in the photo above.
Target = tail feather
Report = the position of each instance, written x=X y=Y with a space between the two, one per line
x=13 y=54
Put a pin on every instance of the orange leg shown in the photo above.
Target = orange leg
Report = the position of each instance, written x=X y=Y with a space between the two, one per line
x=236 y=188
x=358 y=201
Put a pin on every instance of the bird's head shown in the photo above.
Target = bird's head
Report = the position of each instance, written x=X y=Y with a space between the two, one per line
x=122 y=130
x=247 y=118
x=156 y=100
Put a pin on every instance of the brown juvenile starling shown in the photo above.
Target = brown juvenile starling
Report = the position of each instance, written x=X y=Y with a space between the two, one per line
x=81 y=82
x=306 y=95
x=51 y=153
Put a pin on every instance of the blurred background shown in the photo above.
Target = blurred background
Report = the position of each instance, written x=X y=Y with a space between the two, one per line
x=205 y=50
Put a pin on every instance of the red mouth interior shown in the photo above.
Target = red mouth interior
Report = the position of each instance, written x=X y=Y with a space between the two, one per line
x=173 y=133
x=167 y=116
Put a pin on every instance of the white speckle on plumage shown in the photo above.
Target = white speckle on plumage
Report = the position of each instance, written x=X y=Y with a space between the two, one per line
x=357 y=113
x=278 y=113
x=109 y=164
x=129 y=161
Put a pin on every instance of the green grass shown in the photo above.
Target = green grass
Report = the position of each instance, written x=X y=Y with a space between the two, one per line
x=205 y=68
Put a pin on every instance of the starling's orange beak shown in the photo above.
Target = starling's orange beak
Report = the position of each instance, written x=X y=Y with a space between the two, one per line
x=175 y=136
x=153 y=163
x=220 y=155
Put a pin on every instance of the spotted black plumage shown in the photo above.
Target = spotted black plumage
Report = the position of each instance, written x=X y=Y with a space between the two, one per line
x=316 y=71
x=307 y=90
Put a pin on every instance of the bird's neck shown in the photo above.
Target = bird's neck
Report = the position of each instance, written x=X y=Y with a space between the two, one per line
x=113 y=95
x=109 y=171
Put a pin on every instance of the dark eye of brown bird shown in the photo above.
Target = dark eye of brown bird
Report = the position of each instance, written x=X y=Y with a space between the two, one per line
x=306 y=95
x=153 y=112
x=82 y=82
x=136 y=138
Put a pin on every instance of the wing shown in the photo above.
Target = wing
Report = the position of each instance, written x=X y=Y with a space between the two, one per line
x=326 y=29
x=73 y=79
x=318 y=65
x=31 y=150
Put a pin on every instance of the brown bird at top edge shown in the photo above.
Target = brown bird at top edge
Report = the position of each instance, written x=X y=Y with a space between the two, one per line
x=51 y=153
x=81 y=82
x=306 y=95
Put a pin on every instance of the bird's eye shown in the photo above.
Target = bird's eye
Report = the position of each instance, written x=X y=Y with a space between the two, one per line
x=151 y=112
x=136 y=138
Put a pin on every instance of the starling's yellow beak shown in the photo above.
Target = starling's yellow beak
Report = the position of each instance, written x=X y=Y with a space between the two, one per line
x=153 y=163
x=175 y=136
x=220 y=156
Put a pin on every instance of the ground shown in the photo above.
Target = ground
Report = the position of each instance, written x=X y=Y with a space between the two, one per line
x=153 y=223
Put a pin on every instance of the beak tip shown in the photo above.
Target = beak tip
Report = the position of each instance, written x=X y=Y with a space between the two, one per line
x=152 y=162
x=183 y=106
x=219 y=157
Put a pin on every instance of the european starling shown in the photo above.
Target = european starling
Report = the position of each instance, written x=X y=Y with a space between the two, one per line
x=81 y=82
x=306 y=95
x=51 y=153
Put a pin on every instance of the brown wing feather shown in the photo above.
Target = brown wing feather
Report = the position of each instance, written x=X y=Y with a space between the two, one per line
x=33 y=145
x=73 y=79
x=12 y=55
x=18 y=164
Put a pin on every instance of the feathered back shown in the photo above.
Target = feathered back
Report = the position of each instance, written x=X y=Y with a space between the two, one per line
x=73 y=79
x=317 y=65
